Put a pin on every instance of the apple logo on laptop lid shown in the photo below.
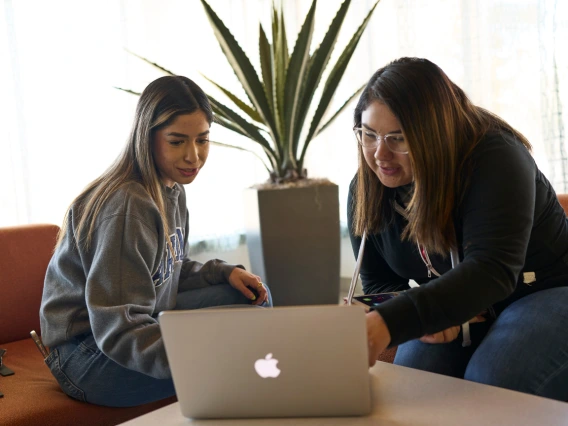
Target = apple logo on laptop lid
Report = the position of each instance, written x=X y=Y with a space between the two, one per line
x=266 y=367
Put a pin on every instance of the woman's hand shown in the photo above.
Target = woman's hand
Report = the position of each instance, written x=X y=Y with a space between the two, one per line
x=449 y=334
x=445 y=336
x=378 y=336
x=243 y=281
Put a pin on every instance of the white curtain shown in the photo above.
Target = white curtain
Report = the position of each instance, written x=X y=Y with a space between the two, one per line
x=553 y=61
x=62 y=121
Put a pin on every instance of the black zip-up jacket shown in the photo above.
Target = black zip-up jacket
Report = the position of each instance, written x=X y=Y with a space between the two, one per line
x=510 y=223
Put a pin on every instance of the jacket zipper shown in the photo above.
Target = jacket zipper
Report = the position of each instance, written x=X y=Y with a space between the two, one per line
x=427 y=262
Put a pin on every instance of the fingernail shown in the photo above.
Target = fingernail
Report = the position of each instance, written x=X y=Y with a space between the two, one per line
x=253 y=297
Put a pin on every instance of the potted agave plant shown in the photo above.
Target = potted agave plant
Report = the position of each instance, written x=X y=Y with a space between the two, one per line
x=292 y=222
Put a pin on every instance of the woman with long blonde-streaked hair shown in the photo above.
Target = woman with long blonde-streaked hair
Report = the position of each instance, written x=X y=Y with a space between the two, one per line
x=121 y=258
x=448 y=195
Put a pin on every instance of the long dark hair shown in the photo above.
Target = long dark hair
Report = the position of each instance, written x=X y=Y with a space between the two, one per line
x=442 y=128
x=160 y=103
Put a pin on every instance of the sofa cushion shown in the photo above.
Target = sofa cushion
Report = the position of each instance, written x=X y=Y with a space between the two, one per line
x=33 y=396
x=25 y=252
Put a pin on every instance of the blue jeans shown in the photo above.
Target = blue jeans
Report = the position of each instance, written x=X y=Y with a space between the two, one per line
x=524 y=349
x=86 y=374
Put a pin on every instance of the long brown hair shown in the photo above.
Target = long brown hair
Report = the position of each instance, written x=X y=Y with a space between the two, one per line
x=160 y=103
x=442 y=128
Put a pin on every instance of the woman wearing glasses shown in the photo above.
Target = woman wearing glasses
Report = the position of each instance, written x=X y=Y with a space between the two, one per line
x=449 y=196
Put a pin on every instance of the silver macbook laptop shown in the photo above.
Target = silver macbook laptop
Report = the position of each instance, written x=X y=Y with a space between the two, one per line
x=282 y=362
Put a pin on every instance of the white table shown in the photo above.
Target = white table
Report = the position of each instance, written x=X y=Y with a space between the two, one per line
x=404 y=396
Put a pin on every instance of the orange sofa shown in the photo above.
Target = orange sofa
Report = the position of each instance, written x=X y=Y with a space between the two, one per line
x=31 y=395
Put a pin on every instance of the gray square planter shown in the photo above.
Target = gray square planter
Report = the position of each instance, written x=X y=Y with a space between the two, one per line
x=293 y=241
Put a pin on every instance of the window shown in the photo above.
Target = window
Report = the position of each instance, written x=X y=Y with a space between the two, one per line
x=63 y=122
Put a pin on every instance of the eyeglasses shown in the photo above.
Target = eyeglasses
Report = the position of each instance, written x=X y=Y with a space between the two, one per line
x=396 y=142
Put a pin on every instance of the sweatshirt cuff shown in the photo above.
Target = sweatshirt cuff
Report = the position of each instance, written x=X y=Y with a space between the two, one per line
x=226 y=270
x=401 y=318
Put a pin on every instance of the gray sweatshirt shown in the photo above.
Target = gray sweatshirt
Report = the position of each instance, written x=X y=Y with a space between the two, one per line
x=117 y=288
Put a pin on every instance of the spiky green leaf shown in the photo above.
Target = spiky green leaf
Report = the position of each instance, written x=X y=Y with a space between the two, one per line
x=248 y=129
x=243 y=68
x=266 y=65
x=220 y=118
x=284 y=37
x=340 y=110
x=228 y=114
x=280 y=47
x=247 y=109
x=155 y=65
x=132 y=92
x=333 y=81
x=294 y=77
x=318 y=63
